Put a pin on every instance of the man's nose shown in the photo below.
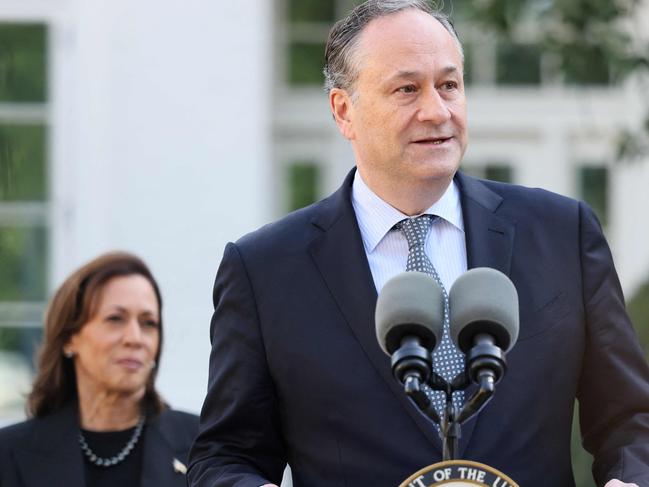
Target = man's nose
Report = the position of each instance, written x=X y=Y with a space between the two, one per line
x=433 y=108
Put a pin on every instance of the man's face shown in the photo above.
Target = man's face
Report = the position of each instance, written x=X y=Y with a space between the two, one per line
x=407 y=123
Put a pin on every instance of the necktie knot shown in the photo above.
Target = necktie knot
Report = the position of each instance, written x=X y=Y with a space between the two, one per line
x=416 y=229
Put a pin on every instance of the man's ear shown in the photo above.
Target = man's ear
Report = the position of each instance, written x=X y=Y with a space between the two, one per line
x=340 y=103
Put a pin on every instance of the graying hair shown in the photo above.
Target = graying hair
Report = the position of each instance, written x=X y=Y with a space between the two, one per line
x=340 y=70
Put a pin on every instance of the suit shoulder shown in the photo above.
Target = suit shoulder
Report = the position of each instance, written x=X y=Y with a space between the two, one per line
x=179 y=423
x=533 y=195
x=180 y=417
x=294 y=229
x=16 y=433
x=533 y=203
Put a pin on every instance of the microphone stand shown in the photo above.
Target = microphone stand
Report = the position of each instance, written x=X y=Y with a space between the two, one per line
x=486 y=366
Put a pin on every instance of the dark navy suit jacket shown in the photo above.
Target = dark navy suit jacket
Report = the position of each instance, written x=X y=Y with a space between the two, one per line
x=296 y=373
x=45 y=451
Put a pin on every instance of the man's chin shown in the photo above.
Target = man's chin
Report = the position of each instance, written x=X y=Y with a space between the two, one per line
x=435 y=169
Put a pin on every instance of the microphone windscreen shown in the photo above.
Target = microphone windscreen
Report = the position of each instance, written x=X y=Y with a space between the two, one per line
x=410 y=304
x=484 y=300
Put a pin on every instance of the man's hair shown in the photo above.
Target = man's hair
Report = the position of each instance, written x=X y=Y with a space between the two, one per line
x=341 y=69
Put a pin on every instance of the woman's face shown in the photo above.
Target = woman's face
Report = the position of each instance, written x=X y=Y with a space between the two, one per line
x=114 y=352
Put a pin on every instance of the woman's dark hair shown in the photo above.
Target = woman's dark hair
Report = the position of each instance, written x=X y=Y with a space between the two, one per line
x=73 y=305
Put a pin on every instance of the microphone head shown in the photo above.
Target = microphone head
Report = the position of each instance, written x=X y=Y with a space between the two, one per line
x=484 y=300
x=410 y=304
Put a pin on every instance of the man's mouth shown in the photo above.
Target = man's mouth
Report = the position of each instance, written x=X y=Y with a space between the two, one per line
x=433 y=140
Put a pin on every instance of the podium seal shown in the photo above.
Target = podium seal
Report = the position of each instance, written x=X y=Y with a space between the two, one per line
x=458 y=473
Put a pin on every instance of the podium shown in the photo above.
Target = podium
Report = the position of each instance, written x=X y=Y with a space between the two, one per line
x=458 y=473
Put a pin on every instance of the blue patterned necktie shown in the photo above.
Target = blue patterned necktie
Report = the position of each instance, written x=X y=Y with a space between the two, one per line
x=448 y=361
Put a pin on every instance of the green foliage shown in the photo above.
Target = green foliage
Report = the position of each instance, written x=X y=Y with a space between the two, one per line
x=580 y=13
x=581 y=459
x=22 y=163
x=584 y=33
x=500 y=15
x=589 y=39
x=23 y=61
x=638 y=308
x=311 y=10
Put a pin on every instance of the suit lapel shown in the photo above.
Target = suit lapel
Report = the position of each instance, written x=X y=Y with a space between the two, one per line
x=161 y=464
x=340 y=257
x=489 y=238
x=52 y=455
x=489 y=243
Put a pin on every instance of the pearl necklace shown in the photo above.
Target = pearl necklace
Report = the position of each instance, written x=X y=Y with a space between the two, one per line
x=114 y=460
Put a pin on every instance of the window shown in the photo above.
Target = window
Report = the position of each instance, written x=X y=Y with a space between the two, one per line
x=518 y=64
x=308 y=24
x=593 y=189
x=529 y=56
x=494 y=171
x=306 y=27
x=585 y=66
x=303 y=184
x=23 y=196
x=22 y=63
x=306 y=63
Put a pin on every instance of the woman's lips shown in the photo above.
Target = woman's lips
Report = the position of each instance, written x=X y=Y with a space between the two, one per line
x=130 y=363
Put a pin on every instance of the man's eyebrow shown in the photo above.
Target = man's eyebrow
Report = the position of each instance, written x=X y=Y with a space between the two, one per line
x=404 y=74
x=409 y=74
x=450 y=69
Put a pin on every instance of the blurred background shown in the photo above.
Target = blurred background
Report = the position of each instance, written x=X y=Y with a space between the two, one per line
x=168 y=128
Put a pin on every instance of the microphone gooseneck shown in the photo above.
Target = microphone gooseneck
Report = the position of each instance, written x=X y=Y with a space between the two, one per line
x=484 y=324
x=409 y=326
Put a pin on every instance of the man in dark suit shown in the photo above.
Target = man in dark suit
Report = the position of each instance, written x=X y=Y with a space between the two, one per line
x=296 y=373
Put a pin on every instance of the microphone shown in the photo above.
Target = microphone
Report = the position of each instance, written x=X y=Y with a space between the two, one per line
x=484 y=321
x=409 y=325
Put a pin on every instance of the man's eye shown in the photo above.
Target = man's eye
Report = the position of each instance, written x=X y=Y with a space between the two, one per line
x=407 y=89
x=450 y=85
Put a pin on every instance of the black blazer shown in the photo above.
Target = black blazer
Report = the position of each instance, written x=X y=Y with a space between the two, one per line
x=45 y=451
x=296 y=373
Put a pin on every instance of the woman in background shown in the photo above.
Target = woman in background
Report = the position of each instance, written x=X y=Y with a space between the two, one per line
x=96 y=417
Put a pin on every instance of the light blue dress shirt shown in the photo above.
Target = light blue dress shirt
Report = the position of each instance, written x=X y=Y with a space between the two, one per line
x=387 y=248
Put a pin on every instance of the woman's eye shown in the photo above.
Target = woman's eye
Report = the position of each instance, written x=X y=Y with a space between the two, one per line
x=114 y=318
x=151 y=323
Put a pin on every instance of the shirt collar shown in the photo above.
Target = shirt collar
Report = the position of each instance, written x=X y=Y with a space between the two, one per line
x=377 y=217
